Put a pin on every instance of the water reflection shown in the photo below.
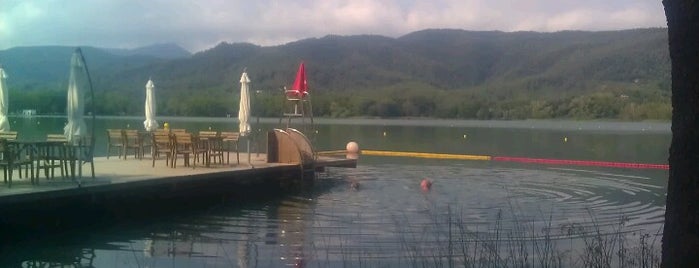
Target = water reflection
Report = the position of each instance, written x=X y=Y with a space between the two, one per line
x=272 y=235
x=79 y=258
x=261 y=230
x=292 y=216
x=46 y=250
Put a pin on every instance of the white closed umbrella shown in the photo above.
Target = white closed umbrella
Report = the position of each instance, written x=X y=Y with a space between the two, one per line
x=4 y=123
x=76 y=99
x=244 y=108
x=150 y=124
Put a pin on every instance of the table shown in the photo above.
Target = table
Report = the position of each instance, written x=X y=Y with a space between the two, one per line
x=45 y=154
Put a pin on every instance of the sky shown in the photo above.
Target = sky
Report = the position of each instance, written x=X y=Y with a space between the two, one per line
x=199 y=25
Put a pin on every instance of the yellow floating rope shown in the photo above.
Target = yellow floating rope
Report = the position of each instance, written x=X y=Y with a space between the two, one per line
x=504 y=158
x=336 y=152
x=427 y=155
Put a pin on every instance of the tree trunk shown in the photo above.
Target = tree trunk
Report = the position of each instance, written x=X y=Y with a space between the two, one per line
x=681 y=231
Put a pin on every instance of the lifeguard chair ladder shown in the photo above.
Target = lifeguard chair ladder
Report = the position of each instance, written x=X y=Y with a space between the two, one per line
x=297 y=105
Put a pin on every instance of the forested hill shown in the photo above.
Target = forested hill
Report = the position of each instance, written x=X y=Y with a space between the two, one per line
x=437 y=72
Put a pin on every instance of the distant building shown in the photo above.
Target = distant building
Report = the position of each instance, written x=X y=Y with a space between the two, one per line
x=28 y=112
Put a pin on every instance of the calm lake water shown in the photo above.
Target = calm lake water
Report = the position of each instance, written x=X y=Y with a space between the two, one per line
x=476 y=212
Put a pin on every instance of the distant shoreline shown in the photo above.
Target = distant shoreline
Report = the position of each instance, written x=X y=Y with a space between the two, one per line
x=554 y=124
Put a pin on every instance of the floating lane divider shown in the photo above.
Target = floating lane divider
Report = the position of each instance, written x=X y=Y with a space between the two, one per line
x=334 y=152
x=427 y=155
x=579 y=162
x=507 y=159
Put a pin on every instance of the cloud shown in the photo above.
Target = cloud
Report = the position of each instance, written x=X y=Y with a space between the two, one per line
x=198 y=25
x=634 y=17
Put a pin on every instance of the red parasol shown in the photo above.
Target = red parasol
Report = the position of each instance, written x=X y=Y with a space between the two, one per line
x=300 y=87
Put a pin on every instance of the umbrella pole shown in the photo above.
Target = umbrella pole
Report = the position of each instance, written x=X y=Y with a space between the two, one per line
x=248 y=140
x=92 y=105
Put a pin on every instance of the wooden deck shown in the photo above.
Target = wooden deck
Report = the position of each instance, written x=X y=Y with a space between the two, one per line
x=116 y=176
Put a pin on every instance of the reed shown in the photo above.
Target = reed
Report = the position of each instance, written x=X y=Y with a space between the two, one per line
x=449 y=240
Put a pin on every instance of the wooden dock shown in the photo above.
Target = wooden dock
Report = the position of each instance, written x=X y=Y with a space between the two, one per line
x=122 y=186
x=138 y=179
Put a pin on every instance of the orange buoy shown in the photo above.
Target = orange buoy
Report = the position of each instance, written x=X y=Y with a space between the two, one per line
x=352 y=147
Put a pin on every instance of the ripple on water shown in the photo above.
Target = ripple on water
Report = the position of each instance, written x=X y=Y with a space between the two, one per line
x=479 y=193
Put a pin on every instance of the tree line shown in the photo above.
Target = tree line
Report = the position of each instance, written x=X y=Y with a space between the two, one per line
x=623 y=102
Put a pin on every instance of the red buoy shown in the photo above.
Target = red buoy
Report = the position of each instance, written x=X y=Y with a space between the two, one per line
x=426 y=184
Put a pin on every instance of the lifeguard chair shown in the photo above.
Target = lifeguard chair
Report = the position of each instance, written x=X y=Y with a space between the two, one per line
x=297 y=101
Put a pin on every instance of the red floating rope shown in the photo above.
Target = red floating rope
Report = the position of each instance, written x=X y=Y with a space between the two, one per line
x=579 y=162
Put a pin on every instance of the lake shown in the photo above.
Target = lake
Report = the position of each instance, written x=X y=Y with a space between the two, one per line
x=478 y=213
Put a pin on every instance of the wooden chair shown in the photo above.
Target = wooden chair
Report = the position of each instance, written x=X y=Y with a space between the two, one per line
x=230 y=143
x=213 y=144
x=146 y=143
x=81 y=151
x=162 y=145
x=13 y=156
x=201 y=147
x=161 y=131
x=51 y=155
x=132 y=141
x=181 y=145
x=178 y=131
x=207 y=134
x=6 y=162
x=186 y=145
x=8 y=135
x=115 y=139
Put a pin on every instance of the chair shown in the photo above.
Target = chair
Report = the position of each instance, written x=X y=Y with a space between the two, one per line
x=162 y=144
x=213 y=144
x=15 y=156
x=12 y=136
x=161 y=131
x=132 y=141
x=146 y=143
x=186 y=145
x=115 y=139
x=207 y=134
x=81 y=151
x=52 y=154
x=297 y=104
x=178 y=130
x=201 y=147
x=6 y=162
x=298 y=101
x=229 y=140
x=180 y=143
x=8 y=135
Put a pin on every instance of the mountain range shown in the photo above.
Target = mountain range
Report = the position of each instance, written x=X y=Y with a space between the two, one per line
x=491 y=63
